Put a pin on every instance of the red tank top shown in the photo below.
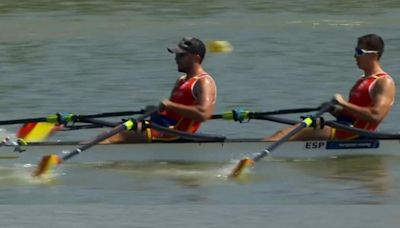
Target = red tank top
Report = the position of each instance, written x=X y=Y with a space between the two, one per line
x=183 y=94
x=360 y=96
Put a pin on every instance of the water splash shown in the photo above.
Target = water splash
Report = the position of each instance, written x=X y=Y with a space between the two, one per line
x=21 y=174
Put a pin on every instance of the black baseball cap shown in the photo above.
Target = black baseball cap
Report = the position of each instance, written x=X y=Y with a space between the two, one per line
x=189 y=45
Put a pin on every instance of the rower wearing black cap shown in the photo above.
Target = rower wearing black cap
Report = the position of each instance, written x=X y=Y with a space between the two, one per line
x=192 y=99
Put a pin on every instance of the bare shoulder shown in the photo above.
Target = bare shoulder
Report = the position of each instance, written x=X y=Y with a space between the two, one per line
x=205 y=89
x=206 y=81
x=386 y=82
x=384 y=88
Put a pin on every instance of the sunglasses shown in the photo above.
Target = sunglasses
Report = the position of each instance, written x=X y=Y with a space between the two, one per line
x=360 y=52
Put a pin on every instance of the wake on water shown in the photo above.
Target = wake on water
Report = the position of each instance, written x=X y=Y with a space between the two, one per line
x=208 y=172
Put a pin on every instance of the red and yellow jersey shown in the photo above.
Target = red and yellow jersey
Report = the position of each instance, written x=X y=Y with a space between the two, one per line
x=183 y=93
x=360 y=96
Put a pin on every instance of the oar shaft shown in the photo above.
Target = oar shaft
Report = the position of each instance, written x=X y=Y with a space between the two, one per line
x=280 y=142
x=188 y=135
x=113 y=114
x=97 y=122
x=303 y=124
x=128 y=113
x=276 y=119
x=107 y=134
x=80 y=127
x=19 y=121
x=288 y=111
x=54 y=119
x=98 y=139
x=241 y=115
x=182 y=134
x=259 y=115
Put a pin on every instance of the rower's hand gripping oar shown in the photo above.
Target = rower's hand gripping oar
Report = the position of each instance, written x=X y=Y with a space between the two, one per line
x=50 y=161
x=307 y=122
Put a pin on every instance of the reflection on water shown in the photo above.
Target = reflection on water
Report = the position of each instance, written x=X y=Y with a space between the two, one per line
x=187 y=171
x=189 y=181
x=354 y=180
x=369 y=172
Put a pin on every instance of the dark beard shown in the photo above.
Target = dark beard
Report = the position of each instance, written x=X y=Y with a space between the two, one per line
x=181 y=69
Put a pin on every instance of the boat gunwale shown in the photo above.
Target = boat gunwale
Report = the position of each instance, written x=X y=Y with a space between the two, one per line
x=232 y=140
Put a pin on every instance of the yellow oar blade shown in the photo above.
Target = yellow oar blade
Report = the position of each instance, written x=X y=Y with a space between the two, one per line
x=46 y=165
x=241 y=167
x=36 y=132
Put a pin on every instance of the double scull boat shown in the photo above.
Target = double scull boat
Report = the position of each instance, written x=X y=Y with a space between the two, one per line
x=222 y=151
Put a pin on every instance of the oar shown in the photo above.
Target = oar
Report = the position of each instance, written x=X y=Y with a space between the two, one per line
x=236 y=115
x=55 y=118
x=49 y=161
x=307 y=122
x=39 y=129
x=241 y=115
x=170 y=131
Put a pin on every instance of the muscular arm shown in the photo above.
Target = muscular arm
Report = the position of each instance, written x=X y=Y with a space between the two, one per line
x=204 y=91
x=383 y=95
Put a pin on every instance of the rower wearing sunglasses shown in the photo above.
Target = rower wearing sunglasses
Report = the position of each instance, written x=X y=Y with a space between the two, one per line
x=370 y=99
x=191 y=102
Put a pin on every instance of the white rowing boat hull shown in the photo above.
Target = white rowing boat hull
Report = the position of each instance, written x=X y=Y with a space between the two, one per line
x=200 y=152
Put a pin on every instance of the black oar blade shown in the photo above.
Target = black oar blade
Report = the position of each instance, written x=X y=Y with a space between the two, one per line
x=241 y=167
x=47 y=164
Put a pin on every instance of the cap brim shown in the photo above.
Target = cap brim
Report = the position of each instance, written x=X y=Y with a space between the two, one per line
x=176 y=50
